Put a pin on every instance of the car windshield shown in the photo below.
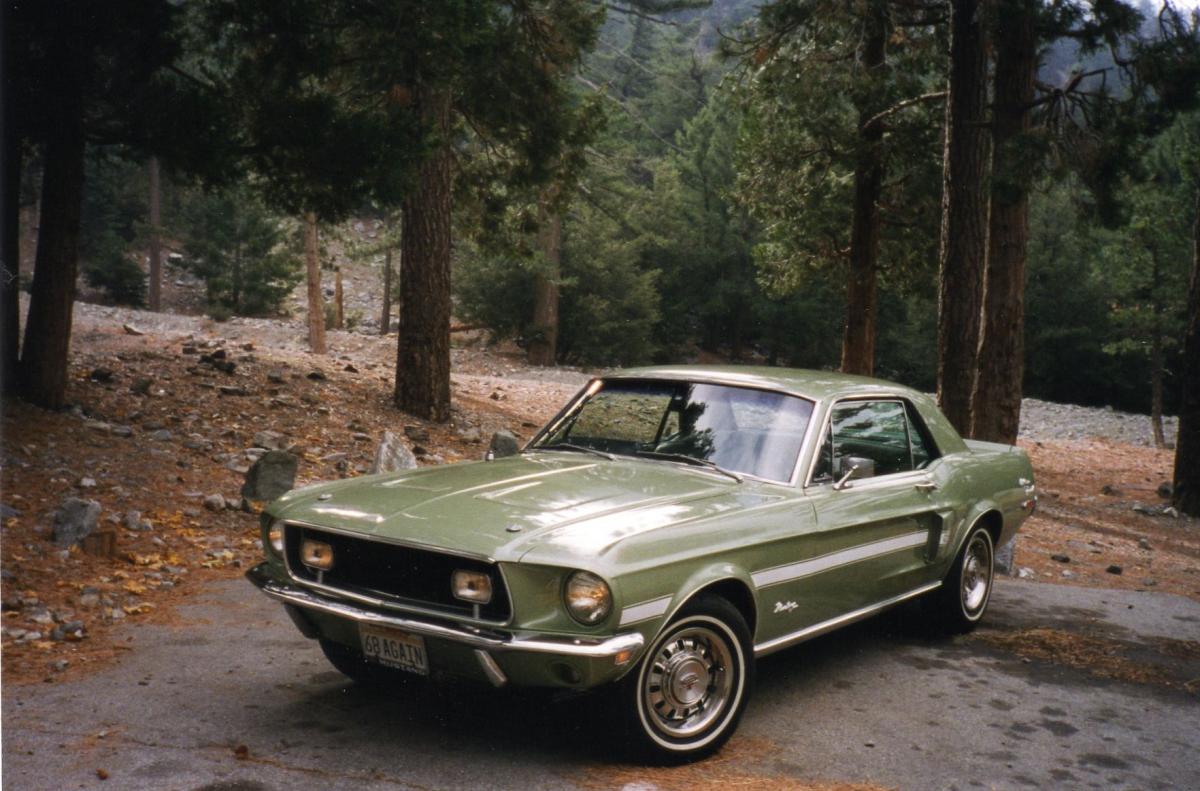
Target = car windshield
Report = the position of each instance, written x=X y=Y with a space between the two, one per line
x=739 y=429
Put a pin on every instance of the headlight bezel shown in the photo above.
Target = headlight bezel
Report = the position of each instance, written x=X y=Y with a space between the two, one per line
x=576 y=602
x=274 y=537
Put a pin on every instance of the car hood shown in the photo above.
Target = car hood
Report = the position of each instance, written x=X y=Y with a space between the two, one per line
x=558 y=506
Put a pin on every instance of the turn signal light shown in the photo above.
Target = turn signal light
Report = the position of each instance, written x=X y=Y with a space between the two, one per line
x=316 y=554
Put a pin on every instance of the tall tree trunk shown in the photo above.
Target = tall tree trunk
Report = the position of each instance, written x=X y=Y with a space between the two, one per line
x=316 y=303
x=1156 y=390
x=544 y=346
x=43 y=368
x=1187 y=444
x=858 y=339
x=964 y=214
x=154 y=293
x=339 y=307
x=423 y=348
x=385 y=321
x=996 y=399
x=10 y=252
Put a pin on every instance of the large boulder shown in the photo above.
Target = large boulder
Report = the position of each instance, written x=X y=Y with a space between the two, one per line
x=504 y=443
x=74 y=521
x=393 y=455
x=273 y=475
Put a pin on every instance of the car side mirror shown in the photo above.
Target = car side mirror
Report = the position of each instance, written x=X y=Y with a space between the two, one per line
x=852 y=468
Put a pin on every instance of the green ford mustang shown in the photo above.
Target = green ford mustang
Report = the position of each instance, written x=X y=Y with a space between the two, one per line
x=667 y=527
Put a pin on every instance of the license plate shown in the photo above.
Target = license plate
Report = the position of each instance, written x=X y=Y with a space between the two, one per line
x=394 y=649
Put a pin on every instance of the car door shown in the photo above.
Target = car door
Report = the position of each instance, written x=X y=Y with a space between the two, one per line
x=877 y=527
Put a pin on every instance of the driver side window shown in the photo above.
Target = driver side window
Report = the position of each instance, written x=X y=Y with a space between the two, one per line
x=871 y=435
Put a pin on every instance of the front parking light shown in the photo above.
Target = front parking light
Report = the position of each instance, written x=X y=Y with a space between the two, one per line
x=316 y=555
x=472 y=586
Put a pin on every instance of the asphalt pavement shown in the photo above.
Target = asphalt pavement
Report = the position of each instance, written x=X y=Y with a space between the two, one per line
x=232 y=698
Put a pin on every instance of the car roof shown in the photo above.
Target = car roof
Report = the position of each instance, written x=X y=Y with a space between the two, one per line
x=814 y=385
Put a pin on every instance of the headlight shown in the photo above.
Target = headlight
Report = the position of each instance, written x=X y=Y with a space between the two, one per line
x=472 y=586
x=275 y=537
x=587 y=597
x=316 y=554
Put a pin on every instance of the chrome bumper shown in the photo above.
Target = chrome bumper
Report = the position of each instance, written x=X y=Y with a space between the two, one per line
x=584 y=648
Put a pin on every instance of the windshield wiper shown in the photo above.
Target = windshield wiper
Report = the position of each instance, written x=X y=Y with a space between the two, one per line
x=580 y=448
x=682 y=457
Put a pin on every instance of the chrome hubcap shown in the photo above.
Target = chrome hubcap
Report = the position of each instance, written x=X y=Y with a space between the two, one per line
x=976 y=574
x=688 y=683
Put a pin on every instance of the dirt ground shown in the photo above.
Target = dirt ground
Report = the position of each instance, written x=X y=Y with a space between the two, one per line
x=187 y=439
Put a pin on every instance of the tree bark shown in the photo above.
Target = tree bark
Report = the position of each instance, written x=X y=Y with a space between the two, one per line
x=1186 y=490
x=339 y=306
x=544 y=345
x=858 y=339
x=423 y=348
x=385 y=320
x=10 y=252
x=316 y=303
x=154 y=293
x=996 y=399
x=43 y=367
x=1156 y=390
x=964 y=215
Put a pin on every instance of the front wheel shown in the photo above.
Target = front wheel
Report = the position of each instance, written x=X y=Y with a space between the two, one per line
x=685 y=698
x=964 y=595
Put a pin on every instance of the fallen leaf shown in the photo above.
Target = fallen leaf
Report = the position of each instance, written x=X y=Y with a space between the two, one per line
x=103 y=775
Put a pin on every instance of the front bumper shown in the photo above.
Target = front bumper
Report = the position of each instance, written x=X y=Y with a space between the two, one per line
x=538 y=659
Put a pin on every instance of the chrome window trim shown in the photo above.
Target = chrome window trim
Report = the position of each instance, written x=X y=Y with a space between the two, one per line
x=389 y=603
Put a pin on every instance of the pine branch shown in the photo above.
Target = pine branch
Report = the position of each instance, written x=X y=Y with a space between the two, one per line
x=895 y=108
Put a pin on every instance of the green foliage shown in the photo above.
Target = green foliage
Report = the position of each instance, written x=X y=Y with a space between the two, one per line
x=608 y=305
x=110 y=268
x=239 y=248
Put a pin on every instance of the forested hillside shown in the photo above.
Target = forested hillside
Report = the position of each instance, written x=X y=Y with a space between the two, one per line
x=986 y=199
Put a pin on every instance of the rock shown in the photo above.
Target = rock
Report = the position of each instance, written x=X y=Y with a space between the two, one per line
x=1114 y=569
x=1109 y=490
x=275 y=377
x=214 y=502
x=59 y=665
x=331 y=458
x=317 y=375
x=122 y=431
x=1165 y=490
x=89 y=600
x=162 y=435
x=1144 y=543
x=102 y=375
x=87 y=483
x=188 y=349
x=131 y=330
x=8 y=512
x=361 y=436
x=74 y=520
x=233 y=390
x=1060 y=558
x=471 y=434
x=1068 y=574
x=1026 y=573
x=1171 y=512
x=504 y=443
x=98 y=425
x=350 y=369
x=417 y=433
x=271 y=440
x=271 y=476
x=41 y=617
x=1004 y=558
x=392 y=455
x=141 y=386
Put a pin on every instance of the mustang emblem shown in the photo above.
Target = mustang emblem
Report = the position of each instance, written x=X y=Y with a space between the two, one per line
x=785 y=606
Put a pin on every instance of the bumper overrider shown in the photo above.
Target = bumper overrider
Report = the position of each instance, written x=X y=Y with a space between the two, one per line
x=499 y=656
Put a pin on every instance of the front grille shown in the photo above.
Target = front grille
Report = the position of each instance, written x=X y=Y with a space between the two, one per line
x=404 y=575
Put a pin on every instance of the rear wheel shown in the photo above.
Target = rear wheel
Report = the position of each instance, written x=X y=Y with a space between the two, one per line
x=964 y=595
x=686 y=696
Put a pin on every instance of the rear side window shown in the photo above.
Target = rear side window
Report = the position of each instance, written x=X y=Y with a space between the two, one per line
x=880 y=437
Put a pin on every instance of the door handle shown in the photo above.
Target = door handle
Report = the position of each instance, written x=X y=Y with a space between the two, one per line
x=925 y=486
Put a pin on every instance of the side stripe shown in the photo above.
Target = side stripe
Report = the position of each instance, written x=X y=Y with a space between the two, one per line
x=805 y=568
x=645 y=611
